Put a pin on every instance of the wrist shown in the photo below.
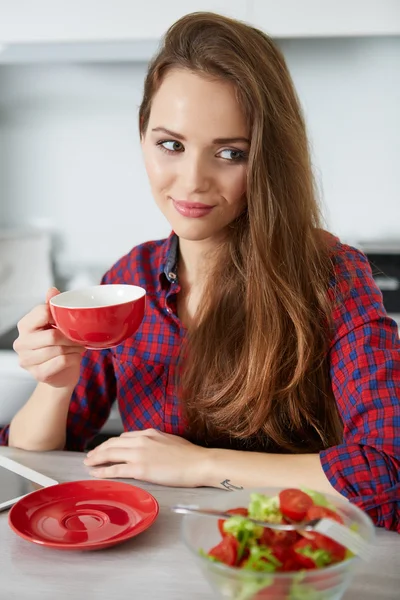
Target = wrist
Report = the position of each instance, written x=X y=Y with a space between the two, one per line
x=209 y=467
x=55 y=394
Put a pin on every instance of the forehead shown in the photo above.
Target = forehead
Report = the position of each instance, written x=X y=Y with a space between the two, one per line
x=192 y=104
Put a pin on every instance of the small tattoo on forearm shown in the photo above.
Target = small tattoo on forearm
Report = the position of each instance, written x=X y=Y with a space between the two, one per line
x=229 y=486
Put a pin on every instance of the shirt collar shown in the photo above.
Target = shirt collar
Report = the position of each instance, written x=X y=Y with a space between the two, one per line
x=169 y=260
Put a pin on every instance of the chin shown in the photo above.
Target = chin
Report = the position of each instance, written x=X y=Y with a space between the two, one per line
x=195 y=232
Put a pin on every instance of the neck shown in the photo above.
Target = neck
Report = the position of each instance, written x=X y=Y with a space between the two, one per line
x=194 y=260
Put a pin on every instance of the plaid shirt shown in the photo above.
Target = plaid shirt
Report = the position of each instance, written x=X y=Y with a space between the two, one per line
x=364 y=359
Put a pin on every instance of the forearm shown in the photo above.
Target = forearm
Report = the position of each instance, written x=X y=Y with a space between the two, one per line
x=230 y=468
x=40 y=425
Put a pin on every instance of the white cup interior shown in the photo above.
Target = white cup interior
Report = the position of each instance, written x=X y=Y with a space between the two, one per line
x=98 y=295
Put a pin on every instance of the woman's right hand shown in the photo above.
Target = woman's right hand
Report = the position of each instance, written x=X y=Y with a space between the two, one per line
x=44 y=351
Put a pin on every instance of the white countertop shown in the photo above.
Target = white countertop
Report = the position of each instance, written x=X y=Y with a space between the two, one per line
x=155 y=565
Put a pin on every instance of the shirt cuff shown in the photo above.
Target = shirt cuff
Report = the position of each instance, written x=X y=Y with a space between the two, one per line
x=4 y=433
x=366 y=481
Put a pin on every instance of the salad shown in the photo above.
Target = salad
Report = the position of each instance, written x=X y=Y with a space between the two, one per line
x=249 y=546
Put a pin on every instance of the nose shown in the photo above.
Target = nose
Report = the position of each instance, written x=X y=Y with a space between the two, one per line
x=195 y=174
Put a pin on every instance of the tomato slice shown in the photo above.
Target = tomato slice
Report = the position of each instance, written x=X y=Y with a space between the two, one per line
x=319 y=512
x=226 y=551
x=233 y=511
x=305 y=561
x=282 y=553
x=322 y=542
x=294 y=504
x=291 y=564
x=268 y=537
x=273 y=537
x=295 y=560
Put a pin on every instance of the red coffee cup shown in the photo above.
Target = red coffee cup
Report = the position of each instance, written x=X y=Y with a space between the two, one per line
x=101 y=316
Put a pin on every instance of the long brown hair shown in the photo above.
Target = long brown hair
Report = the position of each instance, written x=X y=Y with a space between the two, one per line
x=255 y=362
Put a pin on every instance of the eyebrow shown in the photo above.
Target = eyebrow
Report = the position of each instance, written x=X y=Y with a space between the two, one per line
x=178 y=136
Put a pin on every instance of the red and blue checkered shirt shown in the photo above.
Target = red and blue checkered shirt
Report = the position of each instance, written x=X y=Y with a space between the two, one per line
x=364 y=358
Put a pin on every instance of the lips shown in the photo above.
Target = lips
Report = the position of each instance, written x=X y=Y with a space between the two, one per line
x=192 y=210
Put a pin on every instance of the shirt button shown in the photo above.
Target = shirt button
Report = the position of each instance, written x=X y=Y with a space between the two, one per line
x=169 y=311
x=172 y=275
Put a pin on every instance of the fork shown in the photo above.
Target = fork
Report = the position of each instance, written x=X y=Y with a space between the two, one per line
x=325 y=526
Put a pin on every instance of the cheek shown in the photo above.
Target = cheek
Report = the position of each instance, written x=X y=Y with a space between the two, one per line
x=235 y=184
x=158 y=169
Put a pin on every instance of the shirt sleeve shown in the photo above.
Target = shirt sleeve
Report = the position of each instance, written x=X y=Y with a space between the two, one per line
x=365 y=373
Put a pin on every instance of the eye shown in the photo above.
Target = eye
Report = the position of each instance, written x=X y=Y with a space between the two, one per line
x=233 y=155
x=170 y=146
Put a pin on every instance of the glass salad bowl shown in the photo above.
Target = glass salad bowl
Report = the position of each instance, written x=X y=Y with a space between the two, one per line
x=257 y=572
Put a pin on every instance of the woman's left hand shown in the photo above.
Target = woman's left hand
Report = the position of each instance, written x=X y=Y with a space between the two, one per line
x=152 y=456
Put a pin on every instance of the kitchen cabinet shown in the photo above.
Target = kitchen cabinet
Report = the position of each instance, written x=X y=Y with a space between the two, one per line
x=326 y=18
x=126 y=30
x=27 y=21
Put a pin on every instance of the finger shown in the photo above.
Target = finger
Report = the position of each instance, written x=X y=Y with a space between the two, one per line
x=30 y=358
x=47 y=370
x=37 y=318
x=51 y=292
x=112 y=443
x=114 y=471
x=142 y=432
x=42 y=339
x=109 y=455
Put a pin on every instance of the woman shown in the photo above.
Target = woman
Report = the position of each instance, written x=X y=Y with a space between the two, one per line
x=265 y=356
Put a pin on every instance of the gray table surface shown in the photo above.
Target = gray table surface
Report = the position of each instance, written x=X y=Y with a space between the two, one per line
x=154 y=565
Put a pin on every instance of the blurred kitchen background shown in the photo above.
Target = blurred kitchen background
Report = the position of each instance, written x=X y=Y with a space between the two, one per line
x=73 y=190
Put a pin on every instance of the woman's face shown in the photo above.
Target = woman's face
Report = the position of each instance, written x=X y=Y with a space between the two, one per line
x=195 y=151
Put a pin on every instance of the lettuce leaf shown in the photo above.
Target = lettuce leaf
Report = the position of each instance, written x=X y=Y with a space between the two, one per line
x=265 y=508
x=238 y=526
x=262 y=559
x=318 y=498
x=322 y=558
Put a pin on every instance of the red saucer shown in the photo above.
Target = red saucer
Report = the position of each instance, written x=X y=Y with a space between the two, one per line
x=83 y=515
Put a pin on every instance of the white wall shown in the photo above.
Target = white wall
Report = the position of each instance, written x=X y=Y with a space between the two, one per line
x=71 y=158
x=70 y=155
x=350 y=90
